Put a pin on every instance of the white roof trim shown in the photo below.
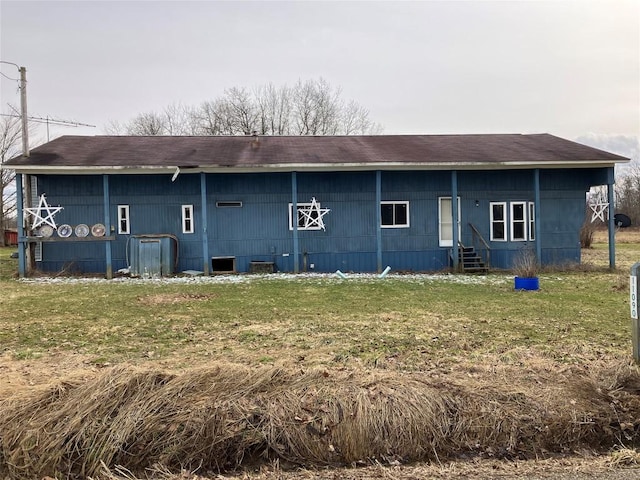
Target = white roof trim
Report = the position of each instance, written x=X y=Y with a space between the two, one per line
x=318 y=167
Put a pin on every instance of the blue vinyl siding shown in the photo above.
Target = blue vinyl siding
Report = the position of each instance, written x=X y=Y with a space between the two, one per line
x=259 y=229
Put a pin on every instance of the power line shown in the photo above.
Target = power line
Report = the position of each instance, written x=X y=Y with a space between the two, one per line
x=9 y=78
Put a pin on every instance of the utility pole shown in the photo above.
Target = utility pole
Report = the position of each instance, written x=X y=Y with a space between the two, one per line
x=23 y=109
x=28 y=193
x=25 y=249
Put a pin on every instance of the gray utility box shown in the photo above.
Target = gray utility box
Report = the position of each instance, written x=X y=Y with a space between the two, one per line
x=152 y=255
x=633 y=303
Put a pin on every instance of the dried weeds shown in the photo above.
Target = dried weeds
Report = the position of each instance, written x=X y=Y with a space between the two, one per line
x=225 y=417
x=174 y=298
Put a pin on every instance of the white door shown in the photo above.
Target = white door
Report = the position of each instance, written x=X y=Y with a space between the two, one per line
x=445 y=221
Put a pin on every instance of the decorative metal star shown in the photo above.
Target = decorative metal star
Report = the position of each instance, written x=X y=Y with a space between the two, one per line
x=43 y=213
x=599 y=210
x=312 y=215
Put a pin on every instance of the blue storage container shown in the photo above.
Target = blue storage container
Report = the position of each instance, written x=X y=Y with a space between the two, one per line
x=523 y=283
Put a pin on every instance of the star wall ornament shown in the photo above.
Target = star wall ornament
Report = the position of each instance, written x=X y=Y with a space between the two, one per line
x=312 y=215
x=599 y=210
x=43 y=213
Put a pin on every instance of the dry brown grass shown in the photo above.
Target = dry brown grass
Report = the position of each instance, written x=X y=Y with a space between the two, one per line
x=622 y=235
x=219 y=418
x=173 y=298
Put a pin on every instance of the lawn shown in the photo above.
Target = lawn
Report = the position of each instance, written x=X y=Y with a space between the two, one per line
x=401 y=322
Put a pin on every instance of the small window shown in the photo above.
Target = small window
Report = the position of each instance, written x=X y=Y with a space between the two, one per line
x=394 y=214
x=227 y=204
x=309 y=216
x=123 y=220
x=187 y=219
x=518 y=221
x=498 y=215
x=532 y=221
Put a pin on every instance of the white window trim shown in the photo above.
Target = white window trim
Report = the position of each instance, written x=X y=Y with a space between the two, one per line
x=187 y=217
x=124 y=219
x=532 y=221
x=447 y=243
x=503 y=221
x=396 y=225
x=524 y=221
x=302 y=205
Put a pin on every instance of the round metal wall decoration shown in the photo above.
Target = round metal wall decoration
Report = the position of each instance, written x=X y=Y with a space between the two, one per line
x=82 y=230
x=98 y=230
x=65 y=230
x=46 y=231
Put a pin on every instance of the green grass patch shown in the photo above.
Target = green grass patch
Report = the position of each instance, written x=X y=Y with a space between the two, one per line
x=8 y=265
x=406 y=322
x=396 y=322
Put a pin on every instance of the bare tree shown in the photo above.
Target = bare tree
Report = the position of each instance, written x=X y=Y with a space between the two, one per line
x=355 y=121
x=10 y=140
x=628 y=193
x=147 y=124
x=312 y=107
x=242 y=110
x=179 y=119
x=175 y=119
x=216 y=118
x=274 y=105
x=304 y=109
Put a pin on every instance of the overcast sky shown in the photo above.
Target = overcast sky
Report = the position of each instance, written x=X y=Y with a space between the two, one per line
x=570 y=68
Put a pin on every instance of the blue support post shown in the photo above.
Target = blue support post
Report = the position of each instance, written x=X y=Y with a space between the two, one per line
x=536 y=207
x=379 y=220
x=107 y=225
x=22 y=241
x=294 y=220
x=454 y=217
x=612 y=232
x=205 y=230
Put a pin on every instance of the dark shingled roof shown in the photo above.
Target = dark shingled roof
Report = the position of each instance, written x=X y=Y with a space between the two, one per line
x=339 y=152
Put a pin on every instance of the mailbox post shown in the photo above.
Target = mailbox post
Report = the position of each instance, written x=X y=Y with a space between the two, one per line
x=633 y=303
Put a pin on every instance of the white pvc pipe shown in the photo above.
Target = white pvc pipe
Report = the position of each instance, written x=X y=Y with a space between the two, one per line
x=384 y=273
x=340 y=274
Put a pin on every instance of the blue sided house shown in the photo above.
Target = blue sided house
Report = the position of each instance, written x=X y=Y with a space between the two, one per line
x=165 y=205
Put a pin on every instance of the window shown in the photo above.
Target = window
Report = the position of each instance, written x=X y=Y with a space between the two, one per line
x=187 y=219
x=123 y=220
x=498 y=215
x=308 y=218
x=445 y=221
x=519 y=221
x=532 y=221
x=522 y=221
x=394 y=214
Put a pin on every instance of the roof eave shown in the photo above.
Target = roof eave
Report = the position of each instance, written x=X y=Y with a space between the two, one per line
x=290 y=167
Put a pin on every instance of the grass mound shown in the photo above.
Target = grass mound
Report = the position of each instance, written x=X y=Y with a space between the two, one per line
x=222 y=417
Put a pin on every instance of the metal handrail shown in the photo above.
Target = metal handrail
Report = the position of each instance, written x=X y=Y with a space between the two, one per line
x=476 y=235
